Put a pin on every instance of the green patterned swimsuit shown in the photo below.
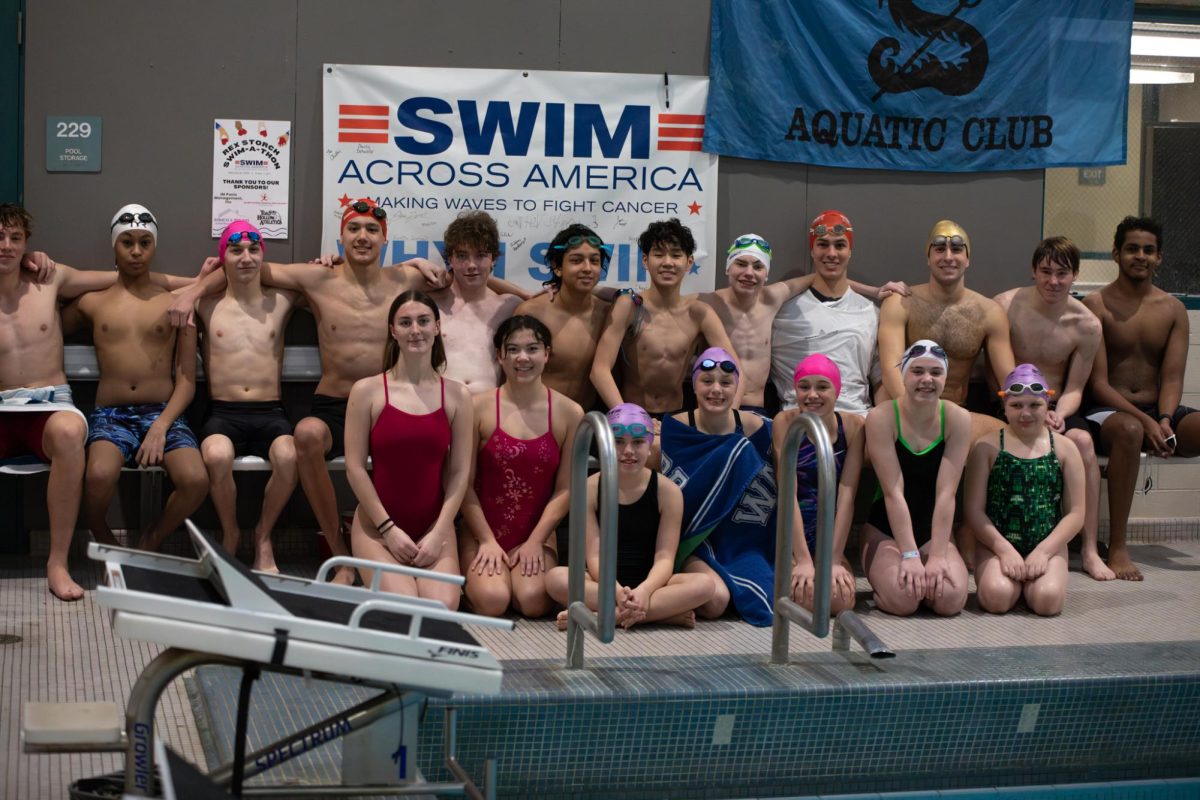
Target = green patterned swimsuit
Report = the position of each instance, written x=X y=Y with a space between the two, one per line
x=1024 y=497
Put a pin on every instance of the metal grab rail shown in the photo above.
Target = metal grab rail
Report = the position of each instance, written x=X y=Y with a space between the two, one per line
x=787 y=610
x=579 y=616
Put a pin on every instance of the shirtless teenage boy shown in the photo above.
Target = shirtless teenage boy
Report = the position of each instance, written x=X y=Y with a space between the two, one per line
x=242 y=345
x=658 y=331
x=31 y=375
x=1137 y=379
x=471 y=311
x=140 y=404
x=350 y=303
x=577 y=259
x=1056 y=333
x=946 y=311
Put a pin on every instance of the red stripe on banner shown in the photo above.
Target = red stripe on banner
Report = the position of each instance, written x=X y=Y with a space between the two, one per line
x=679 y=145
x=369 y=111
x=364 y=124
x=682 y=133
x=365 y=138
x=681 y=119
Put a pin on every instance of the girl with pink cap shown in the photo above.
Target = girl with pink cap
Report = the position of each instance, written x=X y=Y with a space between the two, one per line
x=818 y=383
x=917 y=444
x=1025 y=502
x=648 y=516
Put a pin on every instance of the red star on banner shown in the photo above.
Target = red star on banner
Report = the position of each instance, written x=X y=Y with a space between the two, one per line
x=694 y=208
x=344 y=200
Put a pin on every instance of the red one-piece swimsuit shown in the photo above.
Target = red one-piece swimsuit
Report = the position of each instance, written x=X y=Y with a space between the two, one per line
x=408 y=452
x=514 y=479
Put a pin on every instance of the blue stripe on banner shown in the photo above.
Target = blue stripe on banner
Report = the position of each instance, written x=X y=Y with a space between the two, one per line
x=938 y=85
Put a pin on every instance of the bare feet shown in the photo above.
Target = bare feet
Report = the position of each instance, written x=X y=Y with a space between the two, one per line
x=344 y=576
x=264 y=554
x=1094 y=565
x=61 y=585
x=1120 y=563
x=685 y=620
x=560 y=621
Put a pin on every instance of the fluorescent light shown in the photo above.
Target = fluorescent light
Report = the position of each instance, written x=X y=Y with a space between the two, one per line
x=1139 y=75
x=1169 y=46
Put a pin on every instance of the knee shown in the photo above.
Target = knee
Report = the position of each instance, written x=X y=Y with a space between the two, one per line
x=556 y=584
x=895 y=601
x=217 y=452
x=63 y=436
x=191 y=479
x=488 y=599
x=1084 y=444
x=102 y=472
x=530 y=600
x=1045 y=601
x=994 y=598
x=951 y=602
x=449 y=596
x=309 y=438
x=283 y=454
x=1127 y=432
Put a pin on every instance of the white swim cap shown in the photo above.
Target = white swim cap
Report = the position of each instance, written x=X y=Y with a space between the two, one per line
x=133 y=218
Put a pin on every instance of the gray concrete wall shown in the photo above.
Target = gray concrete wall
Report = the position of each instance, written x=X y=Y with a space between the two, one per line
x=159 y=73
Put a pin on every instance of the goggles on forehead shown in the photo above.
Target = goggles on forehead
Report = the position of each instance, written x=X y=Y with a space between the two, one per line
x=837 y=230
x=253 y=236
x=750 y=241
x=128 y=218
x=952 y=241
x=710 y=364
x=1026 y=388
x=918 y=350
x=575 y=241
x=634 y=430
x=363 y=207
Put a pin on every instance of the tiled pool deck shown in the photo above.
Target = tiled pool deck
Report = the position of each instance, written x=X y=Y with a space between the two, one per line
x=1114 y=680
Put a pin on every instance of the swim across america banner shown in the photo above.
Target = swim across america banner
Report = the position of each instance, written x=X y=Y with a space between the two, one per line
x=536 y=150
x=939 y=85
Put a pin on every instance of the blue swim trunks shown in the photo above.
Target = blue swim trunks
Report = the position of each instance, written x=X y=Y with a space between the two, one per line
x=126 y=426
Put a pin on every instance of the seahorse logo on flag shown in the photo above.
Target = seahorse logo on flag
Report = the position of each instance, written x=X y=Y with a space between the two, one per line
x=953 y=57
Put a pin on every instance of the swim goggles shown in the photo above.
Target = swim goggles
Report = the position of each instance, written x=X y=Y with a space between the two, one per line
x=129 y=217
x=363 y=207
x=952 y=241
x=1026 y=388
x=634 y=430
x=253 y=236
x=756 y=242
x=594 y=241
x=837 y=230
x=918 y=350
x=710 y=364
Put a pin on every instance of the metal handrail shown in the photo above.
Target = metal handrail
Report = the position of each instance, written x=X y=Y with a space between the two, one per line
x=579 y=616
x=787 y=610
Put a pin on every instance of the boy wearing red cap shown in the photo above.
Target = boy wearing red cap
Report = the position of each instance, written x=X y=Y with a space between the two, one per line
x=242 y=343
x=350 y=303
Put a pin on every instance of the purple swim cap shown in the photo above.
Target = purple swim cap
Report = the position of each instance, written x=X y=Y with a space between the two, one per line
x=629 y=414
x=821 y=365
x=1026 y=379
x=235 y=227
x=718 y=356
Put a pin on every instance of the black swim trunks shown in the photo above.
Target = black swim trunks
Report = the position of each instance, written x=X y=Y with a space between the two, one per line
x=332 y=411
x=251 y=426
x=1096 y=417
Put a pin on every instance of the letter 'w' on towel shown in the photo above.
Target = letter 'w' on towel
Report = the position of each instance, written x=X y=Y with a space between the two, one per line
x=729 y=505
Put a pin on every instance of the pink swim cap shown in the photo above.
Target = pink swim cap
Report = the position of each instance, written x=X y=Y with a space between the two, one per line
x=820 y=365
x=630 y=414
x=243 y=227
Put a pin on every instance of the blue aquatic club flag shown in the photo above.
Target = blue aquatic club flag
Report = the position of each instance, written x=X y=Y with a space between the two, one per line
x=939 y=85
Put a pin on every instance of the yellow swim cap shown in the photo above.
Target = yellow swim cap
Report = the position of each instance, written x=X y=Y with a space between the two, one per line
x=948 y=229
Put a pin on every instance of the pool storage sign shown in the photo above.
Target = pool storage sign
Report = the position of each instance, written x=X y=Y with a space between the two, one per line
x=536 y=150
x=940 y=85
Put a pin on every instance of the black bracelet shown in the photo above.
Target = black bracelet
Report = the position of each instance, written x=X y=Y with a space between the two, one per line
x=383 y=526
x=1167 y=417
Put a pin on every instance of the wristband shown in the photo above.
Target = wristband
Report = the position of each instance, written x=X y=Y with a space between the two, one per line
x=387 y=524
x=907 y=554
x=1167 y=417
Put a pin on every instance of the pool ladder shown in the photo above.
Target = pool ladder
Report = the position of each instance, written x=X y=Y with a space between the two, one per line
x=602 y=623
